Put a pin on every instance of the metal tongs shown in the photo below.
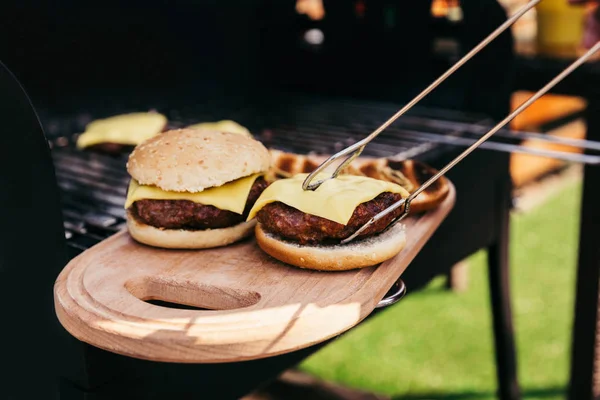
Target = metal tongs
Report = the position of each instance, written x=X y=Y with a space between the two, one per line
x=356 y=149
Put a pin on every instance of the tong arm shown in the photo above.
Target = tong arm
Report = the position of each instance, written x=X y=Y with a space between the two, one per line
x=567 y=71
x=356 y=149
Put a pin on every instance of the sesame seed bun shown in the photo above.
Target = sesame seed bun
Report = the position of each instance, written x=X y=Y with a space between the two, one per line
x=189 y=160
x=358 y=254
x=187 y=239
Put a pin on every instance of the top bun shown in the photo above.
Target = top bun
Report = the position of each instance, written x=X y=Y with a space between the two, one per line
x=189 y=160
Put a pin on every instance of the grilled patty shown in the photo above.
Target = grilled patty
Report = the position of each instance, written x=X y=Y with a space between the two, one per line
x=185 y=214
x=290 y=223
x=111 y=148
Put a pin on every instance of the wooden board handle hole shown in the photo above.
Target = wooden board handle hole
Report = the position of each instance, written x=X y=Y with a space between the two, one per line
x=177 y=292
x=176 y=306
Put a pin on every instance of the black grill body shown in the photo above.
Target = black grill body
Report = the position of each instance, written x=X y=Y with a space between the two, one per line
x=32 y=252
x=205 y=62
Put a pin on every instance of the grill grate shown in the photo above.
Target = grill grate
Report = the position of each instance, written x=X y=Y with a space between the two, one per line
x=93 y=186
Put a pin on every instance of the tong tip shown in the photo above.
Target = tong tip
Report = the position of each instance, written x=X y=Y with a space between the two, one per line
x=405 y=212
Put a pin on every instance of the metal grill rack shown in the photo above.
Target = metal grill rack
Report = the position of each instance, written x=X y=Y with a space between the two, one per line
x=94 y=185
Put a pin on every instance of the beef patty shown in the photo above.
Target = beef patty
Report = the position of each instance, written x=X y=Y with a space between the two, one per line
x=185 y=214
x=110 y=148
x=290 y=223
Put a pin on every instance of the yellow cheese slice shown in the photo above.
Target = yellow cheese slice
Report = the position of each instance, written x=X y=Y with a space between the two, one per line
x=231 y=196
x=334 y=200
x=223 y=126
x=128 y=129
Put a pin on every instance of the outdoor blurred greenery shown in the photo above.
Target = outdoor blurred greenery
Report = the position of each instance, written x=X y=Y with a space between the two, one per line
x=437 y=344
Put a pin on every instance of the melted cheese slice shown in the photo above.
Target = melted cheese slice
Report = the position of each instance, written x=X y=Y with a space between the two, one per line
x=223 y=126
x=335 y=199
x=231 y=196
x=128 y=129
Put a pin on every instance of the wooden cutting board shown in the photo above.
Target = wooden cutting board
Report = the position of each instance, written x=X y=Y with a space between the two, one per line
x=254 y=306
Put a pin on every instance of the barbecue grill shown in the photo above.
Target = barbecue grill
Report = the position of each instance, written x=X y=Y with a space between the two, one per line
x=92 y=186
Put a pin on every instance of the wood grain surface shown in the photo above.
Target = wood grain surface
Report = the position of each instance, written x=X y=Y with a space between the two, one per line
x=252 y=306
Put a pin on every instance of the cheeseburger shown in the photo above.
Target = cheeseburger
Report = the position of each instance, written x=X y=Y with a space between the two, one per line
x=194 y=188
x=305 y=228
x=121 y=132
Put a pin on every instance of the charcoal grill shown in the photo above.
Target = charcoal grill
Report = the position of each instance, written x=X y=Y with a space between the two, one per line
x=92 y=186
x=92 y=189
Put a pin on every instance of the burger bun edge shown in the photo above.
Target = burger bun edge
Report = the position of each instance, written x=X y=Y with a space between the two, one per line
x=187 y=239
x=360 y=254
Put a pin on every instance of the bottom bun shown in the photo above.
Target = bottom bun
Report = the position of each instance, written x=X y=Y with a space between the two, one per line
x=184 y=239
x=359 y=254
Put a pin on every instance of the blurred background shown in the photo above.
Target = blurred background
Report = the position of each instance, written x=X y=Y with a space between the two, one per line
x=200 y=60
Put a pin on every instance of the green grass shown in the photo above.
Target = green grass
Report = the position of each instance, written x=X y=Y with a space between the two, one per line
x=437 y=344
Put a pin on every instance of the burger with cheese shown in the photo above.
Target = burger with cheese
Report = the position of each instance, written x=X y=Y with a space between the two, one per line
x=305 y=228
x=193 y=189
x=121 y=133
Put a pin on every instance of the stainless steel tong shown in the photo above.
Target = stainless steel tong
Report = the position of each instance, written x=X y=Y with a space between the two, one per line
x=356 y=149
x=500 y=125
